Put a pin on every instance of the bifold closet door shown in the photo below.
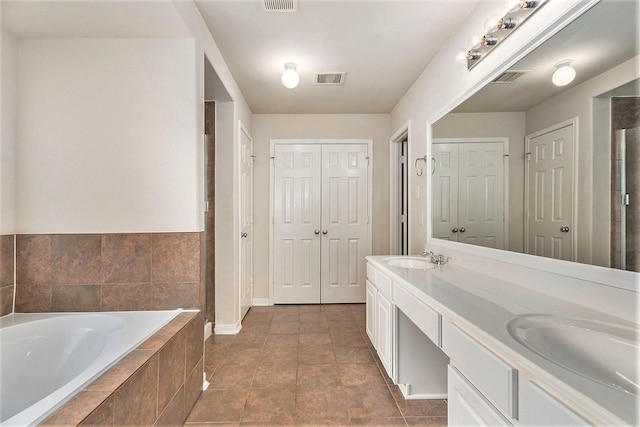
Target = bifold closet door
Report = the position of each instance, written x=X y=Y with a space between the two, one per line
x=321 y=232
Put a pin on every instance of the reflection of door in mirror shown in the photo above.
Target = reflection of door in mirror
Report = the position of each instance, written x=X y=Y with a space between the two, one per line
x=548 y=193
x=625 y=183
x=468 y=192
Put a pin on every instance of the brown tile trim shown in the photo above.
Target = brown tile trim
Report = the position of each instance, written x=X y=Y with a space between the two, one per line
x=7 y=255
x=129 y=392
x=6 y=300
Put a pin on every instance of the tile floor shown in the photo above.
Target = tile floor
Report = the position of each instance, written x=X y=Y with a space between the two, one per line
x=304 y=365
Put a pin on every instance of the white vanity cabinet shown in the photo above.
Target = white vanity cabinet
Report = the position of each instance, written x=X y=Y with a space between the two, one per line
x=385 y=332
x=380 y=316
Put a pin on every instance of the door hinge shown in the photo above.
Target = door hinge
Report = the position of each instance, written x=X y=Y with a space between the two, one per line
x=367 y=160
x=403 y=219
x=625 y=199
x=403 y=159
x=206 y=206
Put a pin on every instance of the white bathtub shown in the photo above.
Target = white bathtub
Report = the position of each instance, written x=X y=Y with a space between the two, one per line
x=47 y=358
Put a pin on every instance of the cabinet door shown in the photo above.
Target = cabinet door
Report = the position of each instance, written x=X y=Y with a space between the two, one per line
x=371 y=313
x=467 y=407
x=384 y=332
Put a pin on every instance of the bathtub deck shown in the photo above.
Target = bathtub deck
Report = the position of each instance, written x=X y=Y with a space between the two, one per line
x=157 y=383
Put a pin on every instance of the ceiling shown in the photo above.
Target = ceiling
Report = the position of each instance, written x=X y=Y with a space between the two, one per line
x=616 y=40
x=382 y=45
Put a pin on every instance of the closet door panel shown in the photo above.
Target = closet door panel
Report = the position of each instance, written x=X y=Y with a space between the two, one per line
x=297 y=197
x=345 y=221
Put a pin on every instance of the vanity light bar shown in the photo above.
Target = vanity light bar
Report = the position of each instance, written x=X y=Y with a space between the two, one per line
x=501 y=29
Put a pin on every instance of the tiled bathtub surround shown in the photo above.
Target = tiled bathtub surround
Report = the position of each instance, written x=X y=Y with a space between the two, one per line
x=107 y=272
x=156 y=384
x=6 y=273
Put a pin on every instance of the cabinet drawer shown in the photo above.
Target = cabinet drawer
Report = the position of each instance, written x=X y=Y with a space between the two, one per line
x=383 y=283
x=537 y=408
x=371 y=272
x=491 y=375
x=423 y=316
x=467 y=407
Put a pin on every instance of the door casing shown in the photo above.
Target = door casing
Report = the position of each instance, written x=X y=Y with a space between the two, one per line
x=394 y=178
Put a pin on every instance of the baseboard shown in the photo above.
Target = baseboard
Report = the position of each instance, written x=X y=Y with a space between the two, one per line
x=260 y=302
x=406 y=392
x=207 y=330
x=230 y=329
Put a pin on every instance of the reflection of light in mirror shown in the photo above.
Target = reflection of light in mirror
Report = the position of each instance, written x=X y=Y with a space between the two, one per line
x=564 y=74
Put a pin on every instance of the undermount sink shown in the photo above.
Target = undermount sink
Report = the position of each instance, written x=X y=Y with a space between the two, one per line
x=408 y=262
x=606 y=353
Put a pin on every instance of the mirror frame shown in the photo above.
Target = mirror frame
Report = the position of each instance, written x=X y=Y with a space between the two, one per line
x=613 y=277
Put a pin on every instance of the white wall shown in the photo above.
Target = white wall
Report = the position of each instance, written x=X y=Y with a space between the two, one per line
x=594 y=168
x=317 y=126
x=109 y=136
x=232 y=110
x=496 y=125
x=7 y=131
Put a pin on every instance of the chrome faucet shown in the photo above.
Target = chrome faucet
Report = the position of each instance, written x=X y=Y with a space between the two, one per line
x=437 y=259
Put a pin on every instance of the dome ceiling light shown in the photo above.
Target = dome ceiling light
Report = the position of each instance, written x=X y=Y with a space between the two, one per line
x=564 y=73
x=290 y=77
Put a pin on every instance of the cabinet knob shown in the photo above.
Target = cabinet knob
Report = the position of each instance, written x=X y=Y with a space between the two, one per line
x=316 y=231
x=325 y=231
x=564 y=229
x=462 y=229
x=454 y=229
x=243 y=234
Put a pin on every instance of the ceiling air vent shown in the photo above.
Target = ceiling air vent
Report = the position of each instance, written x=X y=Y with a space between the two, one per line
x=329 y=78
x=280 y=6
x=509 y=76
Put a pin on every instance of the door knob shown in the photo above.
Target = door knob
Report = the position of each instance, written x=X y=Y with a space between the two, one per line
x=243 y=234
x=325 y=231
x=454 y=229
x=462 y=229
x=316 y=231
x=564 y=229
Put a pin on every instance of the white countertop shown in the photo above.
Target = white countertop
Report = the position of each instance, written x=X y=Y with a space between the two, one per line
x=484 y=305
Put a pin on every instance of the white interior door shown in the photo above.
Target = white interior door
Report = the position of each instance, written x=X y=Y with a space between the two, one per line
x=345 y=218
x=321 y=228
x=246 y=221
x=550 y=198
x=296 y=222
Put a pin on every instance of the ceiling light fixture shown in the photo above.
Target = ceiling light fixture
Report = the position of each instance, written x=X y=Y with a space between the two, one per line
x=564 y=73
x=290 y=77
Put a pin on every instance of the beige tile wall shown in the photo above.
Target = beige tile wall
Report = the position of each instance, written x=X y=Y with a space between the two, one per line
x=108 y=272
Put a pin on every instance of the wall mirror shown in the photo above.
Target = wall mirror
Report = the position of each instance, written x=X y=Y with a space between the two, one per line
x=527 y=166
